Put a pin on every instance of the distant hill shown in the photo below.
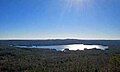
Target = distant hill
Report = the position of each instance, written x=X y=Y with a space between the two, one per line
x=59 y=42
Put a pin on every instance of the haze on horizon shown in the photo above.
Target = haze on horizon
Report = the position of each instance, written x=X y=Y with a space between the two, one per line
x=59 y=19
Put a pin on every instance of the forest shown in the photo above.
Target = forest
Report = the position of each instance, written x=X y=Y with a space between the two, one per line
x=13 y=59
x=58 y=42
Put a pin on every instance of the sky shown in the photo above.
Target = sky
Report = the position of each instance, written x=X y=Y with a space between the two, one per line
x=60 y=19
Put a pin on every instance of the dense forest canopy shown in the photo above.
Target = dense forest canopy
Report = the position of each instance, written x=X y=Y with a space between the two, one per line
x=14 y=59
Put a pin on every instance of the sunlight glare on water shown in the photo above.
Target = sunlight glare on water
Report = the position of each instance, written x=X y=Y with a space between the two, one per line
x=70 y=47
x=82 y=47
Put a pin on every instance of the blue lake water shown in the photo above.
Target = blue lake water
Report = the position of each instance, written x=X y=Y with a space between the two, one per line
x=70 y=47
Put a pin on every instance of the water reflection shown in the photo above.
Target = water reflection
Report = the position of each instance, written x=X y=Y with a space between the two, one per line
x=70 y=47
x=82 y=47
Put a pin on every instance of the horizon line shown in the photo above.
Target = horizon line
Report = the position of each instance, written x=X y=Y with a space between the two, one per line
x=59 y=38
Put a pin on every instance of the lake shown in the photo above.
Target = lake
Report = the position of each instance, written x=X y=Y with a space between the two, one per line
x=70 y=47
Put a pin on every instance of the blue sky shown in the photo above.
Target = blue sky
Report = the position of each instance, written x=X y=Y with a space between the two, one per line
x=44 y=19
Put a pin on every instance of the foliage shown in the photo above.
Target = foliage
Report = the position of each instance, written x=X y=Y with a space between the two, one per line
x=49 y=60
